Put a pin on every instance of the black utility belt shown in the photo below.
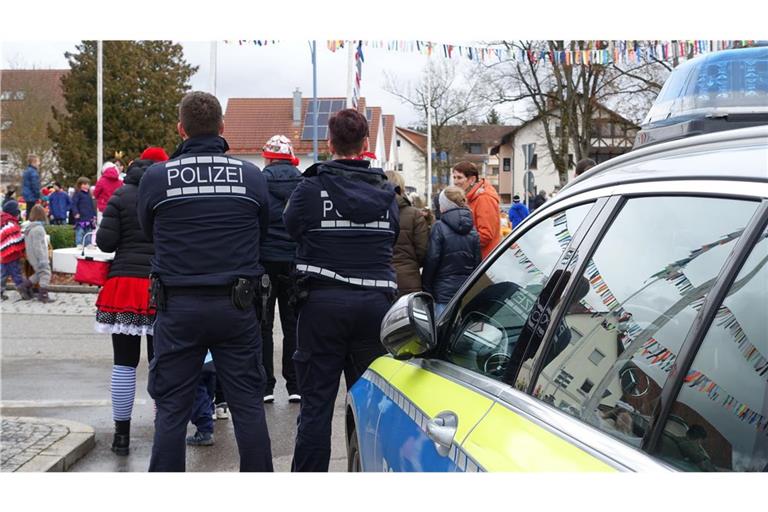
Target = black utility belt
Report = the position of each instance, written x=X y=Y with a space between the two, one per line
x=242 y=293
x=203 y=291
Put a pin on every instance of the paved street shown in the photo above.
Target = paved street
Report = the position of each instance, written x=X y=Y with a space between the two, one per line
x=55 y=366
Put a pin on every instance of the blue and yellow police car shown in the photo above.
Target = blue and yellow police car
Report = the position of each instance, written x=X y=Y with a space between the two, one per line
x=621 y=327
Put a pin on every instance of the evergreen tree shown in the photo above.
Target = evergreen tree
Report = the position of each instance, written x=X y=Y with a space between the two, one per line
x=493 y=117
x=143 y=84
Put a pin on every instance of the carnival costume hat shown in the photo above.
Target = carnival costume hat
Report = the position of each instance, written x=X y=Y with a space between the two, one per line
x=279 y=148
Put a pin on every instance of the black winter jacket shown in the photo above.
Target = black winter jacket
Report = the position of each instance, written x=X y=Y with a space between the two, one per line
x=282 y=179
x=454 y=252
x=119 y=230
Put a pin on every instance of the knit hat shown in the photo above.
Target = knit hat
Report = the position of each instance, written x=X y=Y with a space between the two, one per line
x=12 y=208
x=279 y=148
x=445 y=203
x=516 y=198
x=106 y=166
x=156 y=154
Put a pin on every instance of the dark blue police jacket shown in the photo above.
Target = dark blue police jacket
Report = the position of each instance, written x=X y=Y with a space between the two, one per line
x=205 y=213
x=282 y=179
x=345 y=219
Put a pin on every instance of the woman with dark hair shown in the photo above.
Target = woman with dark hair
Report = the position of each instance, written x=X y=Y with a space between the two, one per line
x=123 y=304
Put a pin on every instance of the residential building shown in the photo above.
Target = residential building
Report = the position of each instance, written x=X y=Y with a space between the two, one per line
x=250 y=122
x=26 y=100
x=613 y=136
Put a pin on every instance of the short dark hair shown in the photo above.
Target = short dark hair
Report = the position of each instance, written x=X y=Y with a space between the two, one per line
x=200 y=114
x=82 y=180
x=347 y=129
x=56 y=184
x=466 y=168
x=584 y=165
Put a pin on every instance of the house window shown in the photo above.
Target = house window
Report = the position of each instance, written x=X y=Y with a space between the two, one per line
x=400 y=167
x=369 y=114
x=571 y=163
x=534 y=162
x=474 y=148
x=494 y=171
x=398 y=142
x=20 y=95
x=4 y=158
x=587 y=386
x=507 y=165
x=6 y=125
x=563 y=379
x=596 y=356
x=5 y=95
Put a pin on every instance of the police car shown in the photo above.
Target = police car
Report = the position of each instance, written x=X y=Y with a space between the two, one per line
x=621 y=327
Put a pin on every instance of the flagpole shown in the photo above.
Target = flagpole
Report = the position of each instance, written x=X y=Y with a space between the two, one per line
x=429 y=130
x=214 y=66
x=350 y=72
x=99 y=108
x=313 y=46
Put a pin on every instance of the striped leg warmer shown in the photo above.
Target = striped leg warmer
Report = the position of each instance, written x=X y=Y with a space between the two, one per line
x=123 y=392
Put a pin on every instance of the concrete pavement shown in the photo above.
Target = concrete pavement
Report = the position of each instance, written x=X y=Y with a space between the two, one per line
x=55 y=366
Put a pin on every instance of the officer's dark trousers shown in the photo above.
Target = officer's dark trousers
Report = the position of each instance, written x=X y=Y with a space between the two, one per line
x=279 y=275
x=183 y=332
x=338 y=331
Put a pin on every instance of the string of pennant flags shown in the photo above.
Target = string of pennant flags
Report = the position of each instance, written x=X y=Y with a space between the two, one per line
x=592 y=52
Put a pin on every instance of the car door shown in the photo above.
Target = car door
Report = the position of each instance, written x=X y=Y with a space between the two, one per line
x=593 y=384
x=430 y=405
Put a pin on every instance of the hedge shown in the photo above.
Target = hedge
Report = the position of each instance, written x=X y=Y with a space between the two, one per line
x=61 y=236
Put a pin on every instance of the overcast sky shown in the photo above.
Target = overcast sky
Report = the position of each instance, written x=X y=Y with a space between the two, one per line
x=265 y=71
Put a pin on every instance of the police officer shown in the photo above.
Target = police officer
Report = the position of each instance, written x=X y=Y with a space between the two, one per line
x=206 y=213
x=344 y=217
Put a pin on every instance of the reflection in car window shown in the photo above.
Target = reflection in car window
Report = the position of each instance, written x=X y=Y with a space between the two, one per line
x=495 y=309
x=720 y=419
x=634 y=306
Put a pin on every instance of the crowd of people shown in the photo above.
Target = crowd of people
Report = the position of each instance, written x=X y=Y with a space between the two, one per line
x=333 y=247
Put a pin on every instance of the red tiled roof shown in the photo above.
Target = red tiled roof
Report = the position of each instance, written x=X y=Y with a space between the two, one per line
x=418 y=139
x=373 y=136
x=389 y=130
x=250 y=122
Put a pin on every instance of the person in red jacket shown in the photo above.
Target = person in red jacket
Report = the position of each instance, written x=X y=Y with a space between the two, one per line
x=106 y=186
x=483 y=200
x=11 y=250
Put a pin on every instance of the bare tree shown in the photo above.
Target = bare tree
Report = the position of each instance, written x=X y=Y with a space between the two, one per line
x=454 y=100
x=26 y=133
x=566 y=96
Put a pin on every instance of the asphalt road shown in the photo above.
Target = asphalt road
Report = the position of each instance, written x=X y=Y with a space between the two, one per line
x=56 y=366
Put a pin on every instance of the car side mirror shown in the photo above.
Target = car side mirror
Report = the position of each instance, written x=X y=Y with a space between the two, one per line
x=408 y=328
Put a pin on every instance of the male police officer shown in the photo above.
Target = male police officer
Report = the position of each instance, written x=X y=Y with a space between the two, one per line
x=344 y=217
x=206 y=213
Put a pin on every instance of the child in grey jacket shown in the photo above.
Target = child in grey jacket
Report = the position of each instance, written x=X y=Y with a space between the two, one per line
x=37 y=251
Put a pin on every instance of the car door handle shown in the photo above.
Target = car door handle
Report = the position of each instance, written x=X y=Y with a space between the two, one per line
x=442 y=429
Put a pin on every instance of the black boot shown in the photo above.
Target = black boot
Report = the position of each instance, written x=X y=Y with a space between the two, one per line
x=25 y=290
x=122 y=437
x=43 y=296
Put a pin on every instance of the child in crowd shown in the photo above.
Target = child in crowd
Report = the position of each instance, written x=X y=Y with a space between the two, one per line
x=60 y=204
x=83 y=210
x=454 y=249
x=203 y=410
x=37 y=251
x=12 y=244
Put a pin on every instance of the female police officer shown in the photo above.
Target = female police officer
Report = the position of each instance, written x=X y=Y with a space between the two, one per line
x=344 y=217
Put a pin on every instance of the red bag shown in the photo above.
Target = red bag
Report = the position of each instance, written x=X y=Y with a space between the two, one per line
x=90 y=270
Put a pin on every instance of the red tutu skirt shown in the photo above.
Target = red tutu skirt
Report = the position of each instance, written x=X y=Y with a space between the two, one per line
x=123 y=307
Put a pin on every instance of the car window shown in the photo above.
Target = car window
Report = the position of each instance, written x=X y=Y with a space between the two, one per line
x=719 y=421
x=633 y=306
x=494 y=311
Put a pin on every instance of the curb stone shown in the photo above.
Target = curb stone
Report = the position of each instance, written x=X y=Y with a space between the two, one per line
x=62 y=454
